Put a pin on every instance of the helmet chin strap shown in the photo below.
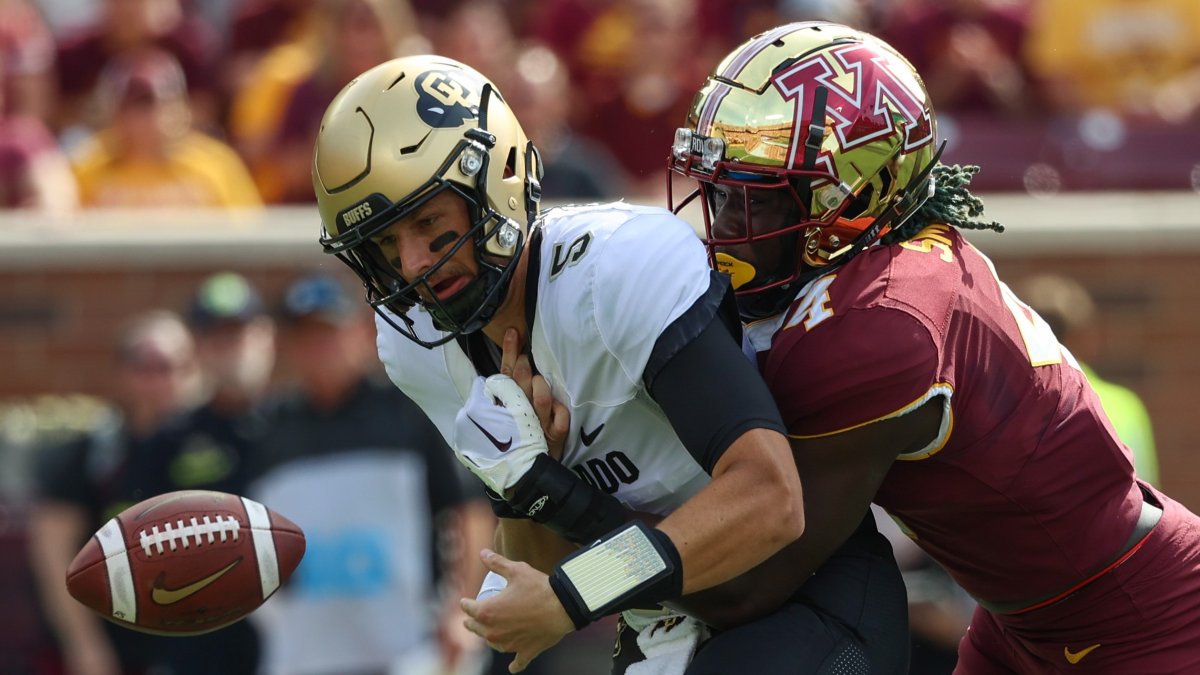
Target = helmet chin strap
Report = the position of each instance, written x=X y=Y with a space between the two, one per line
x=906 y=203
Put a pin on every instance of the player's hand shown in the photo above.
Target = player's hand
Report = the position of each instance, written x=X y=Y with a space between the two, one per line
x=554 y=416
x=497 y=435
x=526 y=618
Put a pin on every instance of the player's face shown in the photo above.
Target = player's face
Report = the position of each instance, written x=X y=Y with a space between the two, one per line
x=413 y=245
x=741 y=214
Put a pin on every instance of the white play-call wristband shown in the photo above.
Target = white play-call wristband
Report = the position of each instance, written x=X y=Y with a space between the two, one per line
x=605 y=572
x=633 y=566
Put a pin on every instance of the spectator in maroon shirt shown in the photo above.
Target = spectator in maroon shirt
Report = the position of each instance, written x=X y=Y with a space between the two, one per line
x=256 y=28
x=968 y=53
x=27 y=48
x=479 y=34
x=576 y=168
x=127 y=26
x=357 y=35
x=34 y=172
x=646 y=69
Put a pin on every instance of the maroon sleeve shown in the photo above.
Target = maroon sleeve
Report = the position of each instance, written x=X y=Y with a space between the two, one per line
x=851 y=369
x=78 y=63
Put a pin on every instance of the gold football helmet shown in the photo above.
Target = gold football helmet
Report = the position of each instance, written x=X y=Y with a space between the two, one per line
x=821 y=138
x=396 y=136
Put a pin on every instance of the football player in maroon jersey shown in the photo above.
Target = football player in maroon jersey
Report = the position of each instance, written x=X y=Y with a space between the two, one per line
x=909 y=374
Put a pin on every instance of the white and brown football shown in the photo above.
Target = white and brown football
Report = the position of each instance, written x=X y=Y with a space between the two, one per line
x=185 y=563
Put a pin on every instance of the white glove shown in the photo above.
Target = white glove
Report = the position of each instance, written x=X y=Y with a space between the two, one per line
x=498 y=435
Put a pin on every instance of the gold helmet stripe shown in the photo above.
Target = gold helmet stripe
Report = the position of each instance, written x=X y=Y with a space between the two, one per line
x=704 y=125
x=756 y=47
x=734 y=68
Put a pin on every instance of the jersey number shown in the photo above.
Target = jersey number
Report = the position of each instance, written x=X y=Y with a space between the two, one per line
x=1041 y=345
x=813 y=308
x=565 y=257
x=1040 y=342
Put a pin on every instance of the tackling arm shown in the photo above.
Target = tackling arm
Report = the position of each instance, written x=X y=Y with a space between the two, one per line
x=841 y=475
x=720 y=531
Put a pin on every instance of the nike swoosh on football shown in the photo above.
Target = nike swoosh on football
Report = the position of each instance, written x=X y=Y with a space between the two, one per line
x=1076 y=657
x=502 y=446
x=170 y=596
x=587 y=438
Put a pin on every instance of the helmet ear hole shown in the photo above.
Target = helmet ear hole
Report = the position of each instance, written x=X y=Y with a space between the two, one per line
x=860 y=203
x=510 y=164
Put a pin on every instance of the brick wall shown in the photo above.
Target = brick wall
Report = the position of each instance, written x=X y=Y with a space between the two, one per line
x=58 y=327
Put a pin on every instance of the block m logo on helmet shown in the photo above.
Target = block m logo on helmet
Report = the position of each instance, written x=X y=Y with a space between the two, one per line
x=866 y=97
x=445 y=99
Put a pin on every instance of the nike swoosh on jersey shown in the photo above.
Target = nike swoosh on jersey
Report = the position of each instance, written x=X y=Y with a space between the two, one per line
x=170 y=596
x=502 y=446
x=587 y=438
x=1076 y=657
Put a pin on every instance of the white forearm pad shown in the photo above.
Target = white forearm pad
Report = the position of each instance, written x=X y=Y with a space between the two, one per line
x=492 y=584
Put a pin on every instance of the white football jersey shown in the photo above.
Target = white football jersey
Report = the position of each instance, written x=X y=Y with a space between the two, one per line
x=612 y=278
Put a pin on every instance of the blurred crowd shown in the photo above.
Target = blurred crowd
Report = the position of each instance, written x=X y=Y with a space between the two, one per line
x=215 y=102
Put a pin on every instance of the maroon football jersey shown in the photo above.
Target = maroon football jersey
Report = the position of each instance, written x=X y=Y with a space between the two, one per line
x=1027 y=490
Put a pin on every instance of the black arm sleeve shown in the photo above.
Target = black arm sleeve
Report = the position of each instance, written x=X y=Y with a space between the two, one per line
x=709 y=389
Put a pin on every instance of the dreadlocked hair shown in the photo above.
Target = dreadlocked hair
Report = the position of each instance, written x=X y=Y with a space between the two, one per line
x=951 y=204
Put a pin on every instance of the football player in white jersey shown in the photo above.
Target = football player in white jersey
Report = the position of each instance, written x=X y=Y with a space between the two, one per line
x=429 y=190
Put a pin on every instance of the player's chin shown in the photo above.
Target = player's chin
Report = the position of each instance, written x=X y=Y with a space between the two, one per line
x=446 y=289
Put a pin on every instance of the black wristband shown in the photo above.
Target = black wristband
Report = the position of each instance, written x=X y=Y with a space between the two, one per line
x=553 y=495
x=570 y=602
x=501 y=508
x=633 y=566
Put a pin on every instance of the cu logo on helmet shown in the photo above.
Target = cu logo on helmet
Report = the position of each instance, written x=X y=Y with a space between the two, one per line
x=445 y=99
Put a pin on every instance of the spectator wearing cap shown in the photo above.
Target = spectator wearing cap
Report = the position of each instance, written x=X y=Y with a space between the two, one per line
x=148 y=154
x=369 y=596
x=235 y=342
x=123 y=28
x=151 y=444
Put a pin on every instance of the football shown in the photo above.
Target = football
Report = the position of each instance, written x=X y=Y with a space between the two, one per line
x=185 y=563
